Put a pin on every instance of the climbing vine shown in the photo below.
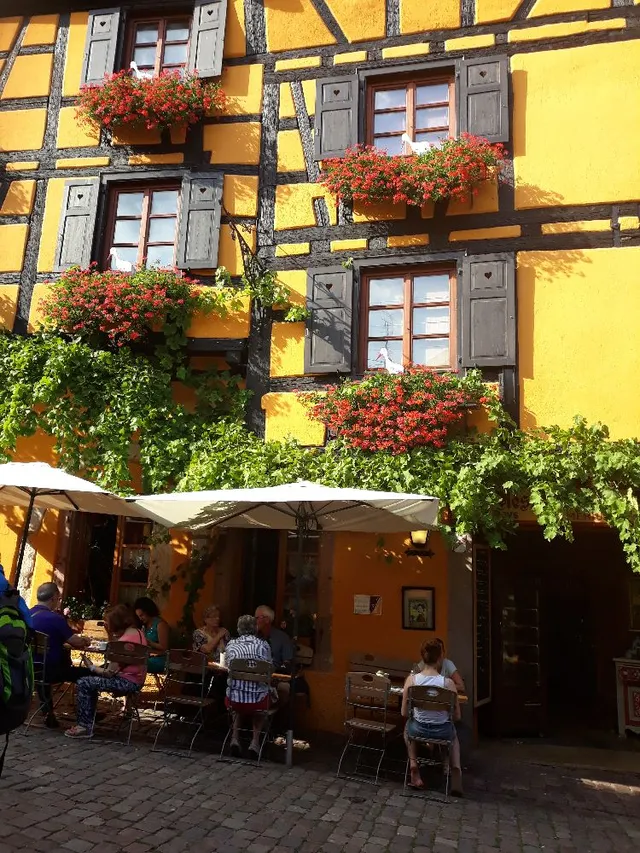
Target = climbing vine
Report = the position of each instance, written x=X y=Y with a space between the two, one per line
x=99 y=405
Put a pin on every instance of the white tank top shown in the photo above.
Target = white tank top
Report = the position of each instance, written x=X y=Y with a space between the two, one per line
x=429 y=717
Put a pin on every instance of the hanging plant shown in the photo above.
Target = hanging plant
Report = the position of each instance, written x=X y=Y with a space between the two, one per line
x=450 y=170
x=397 y=412
x=121 y=308
x=171 y=98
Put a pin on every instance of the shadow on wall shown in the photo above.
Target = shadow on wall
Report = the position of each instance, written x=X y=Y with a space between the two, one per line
x=543 y=268
x=233 y=143
x=8 y=305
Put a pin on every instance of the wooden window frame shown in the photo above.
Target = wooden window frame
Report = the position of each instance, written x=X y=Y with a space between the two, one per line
x=410 y=82
x=408 y=274
x=162 y=21
x=143 y=243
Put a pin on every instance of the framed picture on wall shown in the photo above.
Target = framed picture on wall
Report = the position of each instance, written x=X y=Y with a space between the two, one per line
x=419 y=608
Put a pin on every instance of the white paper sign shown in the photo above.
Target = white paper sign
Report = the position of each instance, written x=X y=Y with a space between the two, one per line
x=367 y=605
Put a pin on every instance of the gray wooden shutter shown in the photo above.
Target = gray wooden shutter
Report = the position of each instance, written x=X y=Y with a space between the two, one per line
x=77 y=224
x=206 y=42
x=483 y=98
x=336 y=123
x=488 y=311
x=199 y=228
x=328 y=333
x=100 y=46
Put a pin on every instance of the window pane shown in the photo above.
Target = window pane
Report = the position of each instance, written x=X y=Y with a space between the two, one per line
x=387 y=98
x=431 y=288
x=386 y=324
x=130 y=204
x=146 y=33
x=145 y=57
x=390 y=144
x=433 y=93
x=160 y=256
x=162 y=230
x=164 y=201
x=128 y=255
x=394 y=350
x=175 y=54
x=434 y=136
x=177 y=31
x=432 y=352
x=433 y=117
x=389 y=122
x=127 y=231
x=386 y=291
x=431 y=321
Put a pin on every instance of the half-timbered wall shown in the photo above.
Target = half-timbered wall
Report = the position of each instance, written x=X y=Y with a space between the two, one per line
x=553 y=248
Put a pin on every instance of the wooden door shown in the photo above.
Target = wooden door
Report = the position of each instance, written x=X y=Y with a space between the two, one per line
x=519 y=699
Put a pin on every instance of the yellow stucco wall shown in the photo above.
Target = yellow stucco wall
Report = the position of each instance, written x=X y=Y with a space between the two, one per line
x=578 y=345
x=286 y=417
x=419 y=17
x=557 y=159
x=19 y=198
x=360 y=21
x=488 y=11
x=294 y=25
x=22 y=130
x=30 y=77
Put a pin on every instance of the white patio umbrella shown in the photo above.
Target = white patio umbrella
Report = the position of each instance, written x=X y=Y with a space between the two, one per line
x=303 y=507
x=36 y=484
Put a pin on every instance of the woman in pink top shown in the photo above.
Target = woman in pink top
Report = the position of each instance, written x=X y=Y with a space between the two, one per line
x=117 y=680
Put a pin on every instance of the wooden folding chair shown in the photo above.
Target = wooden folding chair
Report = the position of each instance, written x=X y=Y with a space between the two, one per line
x=125 y=653
x=432 y=698
x=185 y=668
x=366 y=716
x=260 y=672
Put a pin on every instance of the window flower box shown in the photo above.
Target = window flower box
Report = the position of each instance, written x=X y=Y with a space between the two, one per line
x=171 y=99
x=450 y=170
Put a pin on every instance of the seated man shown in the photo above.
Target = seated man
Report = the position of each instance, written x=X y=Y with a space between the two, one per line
x=282 y=648
x=58 y=667
x=247 y=697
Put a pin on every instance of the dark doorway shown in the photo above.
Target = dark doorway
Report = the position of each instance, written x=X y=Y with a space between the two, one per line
x=560 y=614
x=260 y=569
x=91 y=554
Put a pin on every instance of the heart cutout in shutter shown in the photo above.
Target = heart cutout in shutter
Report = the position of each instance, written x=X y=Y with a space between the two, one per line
x=209 y=12
x=102 y=23
x=483 y=73
x=488 y=275
x=336 y=92
x=203 y=190
x=329 y=285
x=80 y=196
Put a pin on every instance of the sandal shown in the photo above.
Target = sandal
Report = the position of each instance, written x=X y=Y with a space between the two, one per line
x=78 y=732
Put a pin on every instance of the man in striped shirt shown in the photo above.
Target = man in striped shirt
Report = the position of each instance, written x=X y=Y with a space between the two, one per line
x=246 y=698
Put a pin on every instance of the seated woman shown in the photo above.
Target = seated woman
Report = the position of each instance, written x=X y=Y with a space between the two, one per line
x=211 y=639
x=431 y=724
x=115 y=679
x=247 y=698
x=449 y=669
x=155 y=630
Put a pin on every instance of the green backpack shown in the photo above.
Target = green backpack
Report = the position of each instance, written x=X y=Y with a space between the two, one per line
x=16 y=667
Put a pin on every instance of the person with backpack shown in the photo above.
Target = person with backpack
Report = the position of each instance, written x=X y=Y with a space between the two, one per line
x=16 y=662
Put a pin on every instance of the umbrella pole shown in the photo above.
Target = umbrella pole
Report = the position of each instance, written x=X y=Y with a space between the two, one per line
x=25 y=535
x=296 y=625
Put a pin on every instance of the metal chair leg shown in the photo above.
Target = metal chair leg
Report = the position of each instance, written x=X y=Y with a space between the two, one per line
x=344 y=752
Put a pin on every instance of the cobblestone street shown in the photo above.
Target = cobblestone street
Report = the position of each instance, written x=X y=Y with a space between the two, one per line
x=58 y=796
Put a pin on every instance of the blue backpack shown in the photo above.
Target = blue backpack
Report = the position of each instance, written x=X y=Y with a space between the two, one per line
x=16 y=666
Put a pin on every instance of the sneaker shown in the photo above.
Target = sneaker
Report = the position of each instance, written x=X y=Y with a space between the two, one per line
x=51 y=721
x=78 y=732
x=253 y=752
x=236 y=752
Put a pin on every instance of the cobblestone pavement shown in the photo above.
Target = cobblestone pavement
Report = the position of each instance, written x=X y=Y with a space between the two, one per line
x=58 y=796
